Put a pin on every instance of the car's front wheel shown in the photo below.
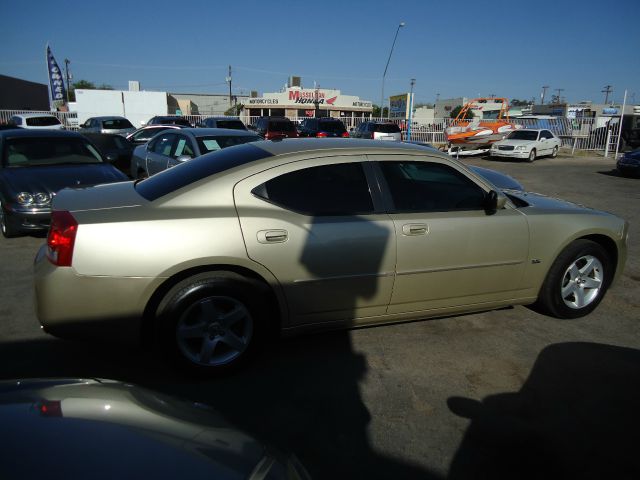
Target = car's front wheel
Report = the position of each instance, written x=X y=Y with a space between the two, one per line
x=577 y=280
x=532 y=155
x=212 y=322
x=8 y=231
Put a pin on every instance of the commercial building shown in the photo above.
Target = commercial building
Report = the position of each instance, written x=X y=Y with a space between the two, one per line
x=18 y=94
x=295 y=101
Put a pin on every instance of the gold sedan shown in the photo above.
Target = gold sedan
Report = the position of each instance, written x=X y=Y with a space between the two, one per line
x=297 y=235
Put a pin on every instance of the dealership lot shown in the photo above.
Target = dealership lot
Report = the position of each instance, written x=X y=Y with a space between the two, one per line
x=402 y=401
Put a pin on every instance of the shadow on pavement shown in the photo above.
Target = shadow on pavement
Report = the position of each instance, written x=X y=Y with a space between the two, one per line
x=576 y=416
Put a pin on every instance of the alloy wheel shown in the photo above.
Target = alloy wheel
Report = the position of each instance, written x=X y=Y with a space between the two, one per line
x=214 y=331
x=582 y=282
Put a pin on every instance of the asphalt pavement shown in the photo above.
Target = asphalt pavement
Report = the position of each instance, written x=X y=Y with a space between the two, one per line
x=502 y=394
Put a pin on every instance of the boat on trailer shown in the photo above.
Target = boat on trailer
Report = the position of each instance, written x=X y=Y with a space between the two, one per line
x=472 y=136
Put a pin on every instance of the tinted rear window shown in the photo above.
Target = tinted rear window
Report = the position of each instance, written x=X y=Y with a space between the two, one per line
x=334 y=127
x=234 y=124
x=387 y=128
x=42 y=121
x=117 y=124
x=281 y=126
x=189 y=172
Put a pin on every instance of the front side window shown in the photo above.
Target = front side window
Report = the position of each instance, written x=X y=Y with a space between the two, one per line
x=183 y=147
x=430 y=187
x=338 y=189
x=163 y=145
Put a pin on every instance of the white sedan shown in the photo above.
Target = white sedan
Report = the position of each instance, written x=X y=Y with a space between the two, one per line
x=528 y=144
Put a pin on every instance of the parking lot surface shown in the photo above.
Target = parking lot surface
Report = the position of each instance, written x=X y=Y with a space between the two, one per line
x=501 y=394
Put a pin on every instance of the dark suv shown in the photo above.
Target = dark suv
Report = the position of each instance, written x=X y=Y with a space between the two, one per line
x=275 y=127
x=323 y=127
x=378 y=131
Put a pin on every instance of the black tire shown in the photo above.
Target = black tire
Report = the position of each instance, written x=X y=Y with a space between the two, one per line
x=532 y=156
x=554 y=152
x=564 y=297
x=8 y=230
x=225 y=314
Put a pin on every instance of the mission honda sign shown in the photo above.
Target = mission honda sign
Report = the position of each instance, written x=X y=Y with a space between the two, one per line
x=294 y=97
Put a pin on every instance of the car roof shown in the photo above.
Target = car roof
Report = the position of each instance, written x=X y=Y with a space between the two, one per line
x=47 y=133
x=204 y=132
x=347 y=145
x=32 y=115
x=108 y=117
x=530 y=129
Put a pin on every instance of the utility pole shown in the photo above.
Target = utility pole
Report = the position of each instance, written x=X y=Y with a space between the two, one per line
x=559 y=90
x=544 y=93
x=607 y=90
x=66 y=70
x=228 y=79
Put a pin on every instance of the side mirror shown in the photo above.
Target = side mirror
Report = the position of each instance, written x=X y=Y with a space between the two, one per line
x=184 y=158
x=494 y=201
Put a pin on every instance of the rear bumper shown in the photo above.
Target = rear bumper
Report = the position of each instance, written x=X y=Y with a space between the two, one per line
x=75 y=306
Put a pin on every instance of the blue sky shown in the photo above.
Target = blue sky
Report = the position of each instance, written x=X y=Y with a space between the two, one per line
x=454 y=48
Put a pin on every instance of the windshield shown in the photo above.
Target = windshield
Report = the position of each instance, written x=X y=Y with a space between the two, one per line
x=215 y=142
x=43 y=151
x=523 y=135
x=234 y=124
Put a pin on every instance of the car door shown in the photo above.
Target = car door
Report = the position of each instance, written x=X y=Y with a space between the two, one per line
x=451 y=252
x=549 y=141
x=159 y=152
x=182 y=147
x=315 y=225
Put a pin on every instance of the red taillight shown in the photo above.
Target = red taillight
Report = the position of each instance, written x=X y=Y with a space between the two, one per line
x=345 y=135
x=322 y=135
x=50 y=408
x=61 y=238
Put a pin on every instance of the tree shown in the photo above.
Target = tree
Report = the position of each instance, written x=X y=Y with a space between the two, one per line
x=235 y=110
x=520 y=103
x=376 y=111
x=454 y=113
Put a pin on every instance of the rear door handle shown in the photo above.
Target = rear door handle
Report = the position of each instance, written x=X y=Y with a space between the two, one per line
x=415 y=229
x=272 y=236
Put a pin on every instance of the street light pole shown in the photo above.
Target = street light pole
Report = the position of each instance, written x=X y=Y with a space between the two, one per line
x=386 y=67
x=413 y=82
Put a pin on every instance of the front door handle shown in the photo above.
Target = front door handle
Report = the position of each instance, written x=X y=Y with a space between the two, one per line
x=415 y=229
x=272 y=236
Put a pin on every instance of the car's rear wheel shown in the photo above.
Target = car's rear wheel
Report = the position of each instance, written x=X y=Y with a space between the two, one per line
x=577 y=280
x=8 y=231
x=532 y=155
x=212 y=322
x=554 y=152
